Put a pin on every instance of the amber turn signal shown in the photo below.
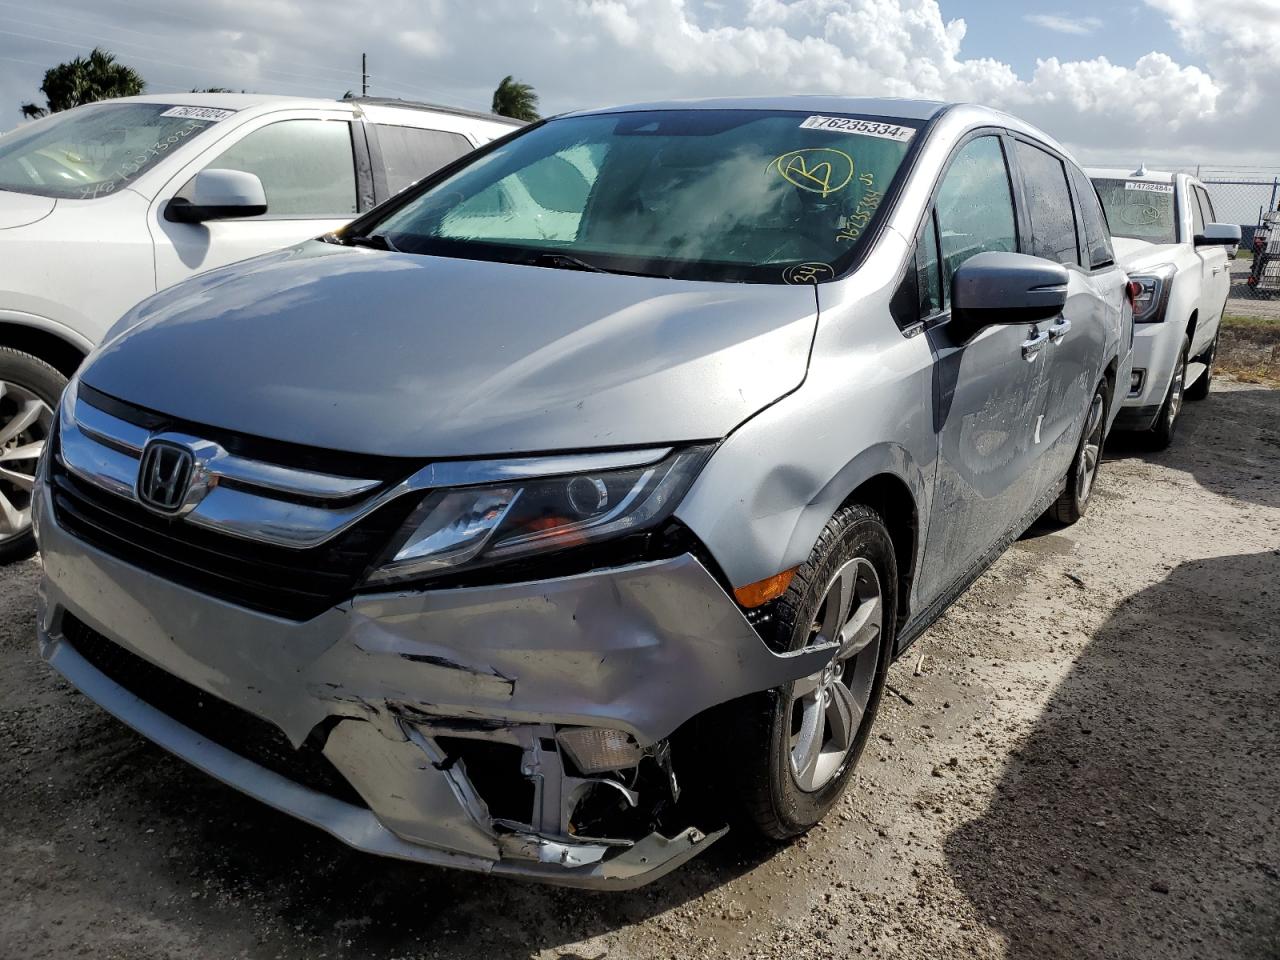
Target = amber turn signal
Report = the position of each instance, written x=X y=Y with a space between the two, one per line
x=762 y=591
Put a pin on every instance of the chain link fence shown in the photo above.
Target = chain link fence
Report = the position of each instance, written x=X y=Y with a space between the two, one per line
x=1249 y=345
x=1255 y=272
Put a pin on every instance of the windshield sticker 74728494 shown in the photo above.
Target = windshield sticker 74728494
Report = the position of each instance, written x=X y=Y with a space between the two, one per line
x=865 y=128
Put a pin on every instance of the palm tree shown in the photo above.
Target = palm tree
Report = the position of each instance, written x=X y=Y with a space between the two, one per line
x=32 y=111
x=85 y=80
x=516 y=100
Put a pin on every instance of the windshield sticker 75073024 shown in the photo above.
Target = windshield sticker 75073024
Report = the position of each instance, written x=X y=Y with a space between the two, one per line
x=865 y=128
x=212 y=114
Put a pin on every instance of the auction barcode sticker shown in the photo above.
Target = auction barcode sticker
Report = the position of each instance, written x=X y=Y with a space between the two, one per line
x=865 y=128
x=198 y=113
x=1147 y=185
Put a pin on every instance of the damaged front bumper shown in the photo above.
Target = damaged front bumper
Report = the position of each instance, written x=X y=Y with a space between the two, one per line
x=448 y=718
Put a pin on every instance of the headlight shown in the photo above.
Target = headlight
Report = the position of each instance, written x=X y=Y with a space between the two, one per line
x=1153 y=294
x=485 y=524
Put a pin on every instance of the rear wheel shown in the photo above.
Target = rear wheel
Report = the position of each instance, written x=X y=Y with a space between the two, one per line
x=1161 y=433
x=1200 y=389
x=1074 y=499
x=802 y=741
x=29 y=391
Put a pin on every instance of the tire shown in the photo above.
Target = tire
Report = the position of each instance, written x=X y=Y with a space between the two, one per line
x=780 y=801
x=1074 y=501
x=1200 y=389
x=29 y=392
x=1162 y=431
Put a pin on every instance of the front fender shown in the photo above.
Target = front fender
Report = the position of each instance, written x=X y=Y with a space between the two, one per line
x=773 y=484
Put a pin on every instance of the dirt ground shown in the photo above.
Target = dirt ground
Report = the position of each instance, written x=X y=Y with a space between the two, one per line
x=1087 y=764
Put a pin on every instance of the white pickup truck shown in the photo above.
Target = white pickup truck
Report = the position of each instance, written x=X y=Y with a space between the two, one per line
x=1168 y=240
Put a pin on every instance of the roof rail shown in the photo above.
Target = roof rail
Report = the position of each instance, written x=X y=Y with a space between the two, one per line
x=433 y=107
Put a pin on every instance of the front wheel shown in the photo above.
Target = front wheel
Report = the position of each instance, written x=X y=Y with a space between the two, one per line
x=803 y=740
x=1074 y=499
x=29 y=391
x=1161 y=433
x=1200 y=389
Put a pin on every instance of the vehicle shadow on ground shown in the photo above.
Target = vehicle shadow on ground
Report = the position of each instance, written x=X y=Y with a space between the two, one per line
x=1148 y=782
x=1229 y=443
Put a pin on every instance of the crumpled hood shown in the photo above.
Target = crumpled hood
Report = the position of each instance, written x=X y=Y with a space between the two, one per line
x=401 y=355
x=20 y=209
x=1136 y=255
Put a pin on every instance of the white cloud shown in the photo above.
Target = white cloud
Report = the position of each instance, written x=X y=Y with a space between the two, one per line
x=1079 y=26
x=582 y=53
x=423 y=43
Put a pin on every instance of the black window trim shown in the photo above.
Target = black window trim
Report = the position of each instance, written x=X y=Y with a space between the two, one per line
x=366 y=194
x=1082 y=226
x=1203 y=198
x=1195 y=201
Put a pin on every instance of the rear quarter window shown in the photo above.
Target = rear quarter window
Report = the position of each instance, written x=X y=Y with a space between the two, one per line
x=410 y=153
x=1097 y=234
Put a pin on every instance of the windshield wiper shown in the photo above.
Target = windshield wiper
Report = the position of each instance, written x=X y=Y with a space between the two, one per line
x=563 y=261
x=375 y=240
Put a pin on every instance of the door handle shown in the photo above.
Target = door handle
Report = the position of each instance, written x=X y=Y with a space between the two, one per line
x=1031 y=347
x=1059 y=329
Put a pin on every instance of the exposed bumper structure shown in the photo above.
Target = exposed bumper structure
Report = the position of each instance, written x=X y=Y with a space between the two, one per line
x=396 y=690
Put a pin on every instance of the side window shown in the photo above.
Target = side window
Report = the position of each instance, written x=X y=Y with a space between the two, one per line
x=974 y=207
x=306 y=167
x=410 y=153
x=1053 y=225
x=1097 y=235
x=1197 y=215
x=928 y=274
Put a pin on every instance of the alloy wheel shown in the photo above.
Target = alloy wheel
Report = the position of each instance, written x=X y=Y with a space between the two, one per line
x=1175 y=390
x=827 y=707
x=25 y=422
x=1090 y=451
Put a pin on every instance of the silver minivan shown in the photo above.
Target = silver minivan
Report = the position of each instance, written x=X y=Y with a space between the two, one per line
x=573 y=504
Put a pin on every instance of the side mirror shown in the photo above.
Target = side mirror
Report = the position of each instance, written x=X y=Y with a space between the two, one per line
x=219 y=195
x=993 y=288
x=1219 y=235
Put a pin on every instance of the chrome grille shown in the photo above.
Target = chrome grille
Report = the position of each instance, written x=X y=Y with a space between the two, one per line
x=226 y=548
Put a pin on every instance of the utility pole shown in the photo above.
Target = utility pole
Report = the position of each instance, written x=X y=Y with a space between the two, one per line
x=364 y=75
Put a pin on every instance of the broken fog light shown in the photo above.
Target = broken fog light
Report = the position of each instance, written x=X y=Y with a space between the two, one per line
x=598 y=749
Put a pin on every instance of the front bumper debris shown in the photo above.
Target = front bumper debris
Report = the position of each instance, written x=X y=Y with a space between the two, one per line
x=441 y=709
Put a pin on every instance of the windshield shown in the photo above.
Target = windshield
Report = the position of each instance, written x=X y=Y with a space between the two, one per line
x=95 y=150
x=1139 y=209
x=759 y=196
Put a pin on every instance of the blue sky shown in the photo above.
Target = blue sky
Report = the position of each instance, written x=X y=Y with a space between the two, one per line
x=1169 y=81
x=1122 y=32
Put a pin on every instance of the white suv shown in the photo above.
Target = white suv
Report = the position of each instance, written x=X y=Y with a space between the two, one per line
x=105 y=204
x=1167 y=239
